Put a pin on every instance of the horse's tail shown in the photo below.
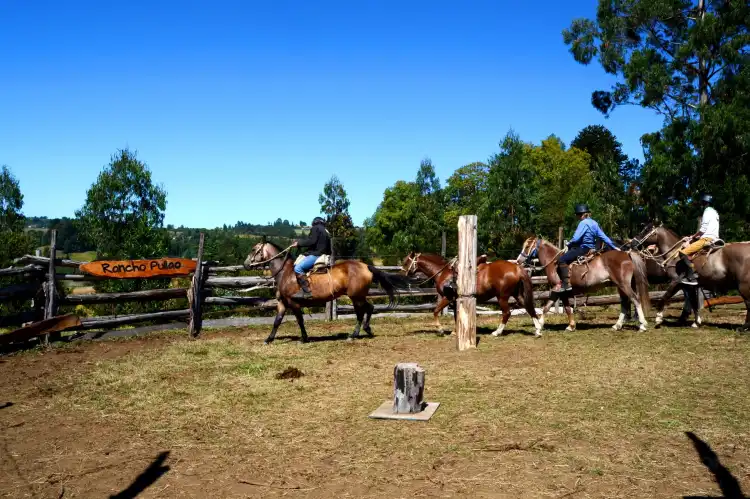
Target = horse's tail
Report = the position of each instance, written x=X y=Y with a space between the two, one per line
x=391 y=283
x=641 y=281
x=528 y=293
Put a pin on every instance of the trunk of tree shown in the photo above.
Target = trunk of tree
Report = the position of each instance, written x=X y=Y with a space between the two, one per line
x=702 y=71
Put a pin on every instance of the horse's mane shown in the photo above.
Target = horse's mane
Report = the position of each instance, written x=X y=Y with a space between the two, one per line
x=279 y=249
x=433 y=258
x=670 y=232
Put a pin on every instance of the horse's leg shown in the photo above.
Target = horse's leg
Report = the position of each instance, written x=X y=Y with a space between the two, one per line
x=301 y=322
x=369 y=308
x=569 y=311
x=280 y=311
x=744 y=289
x=442 y=303
x=359 y=309
x=693 y=298
x=624 y=309
x=503 y=302
x=669 y=293
x=545 y=311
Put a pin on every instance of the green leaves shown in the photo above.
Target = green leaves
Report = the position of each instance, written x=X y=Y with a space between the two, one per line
x=124 y=211
x=334 y=203
x=13 y=240
x=667 y=53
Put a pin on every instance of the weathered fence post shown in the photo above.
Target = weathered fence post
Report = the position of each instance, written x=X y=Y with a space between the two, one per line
x=466 y=323
x=332 y=306
x=408 y=388
x=195 y=294
x=50 y=303
x=442 y=253
x=561 y=245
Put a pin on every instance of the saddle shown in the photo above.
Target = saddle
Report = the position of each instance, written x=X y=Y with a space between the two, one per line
x=585 y=259
x=319 y=267
x=709 y=248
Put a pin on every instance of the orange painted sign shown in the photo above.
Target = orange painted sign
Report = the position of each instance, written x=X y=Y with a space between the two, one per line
x=139 y=269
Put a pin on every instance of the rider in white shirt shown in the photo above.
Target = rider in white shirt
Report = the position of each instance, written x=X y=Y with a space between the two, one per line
x=707 y=233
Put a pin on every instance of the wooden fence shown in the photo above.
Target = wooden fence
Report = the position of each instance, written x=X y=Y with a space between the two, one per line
x=42 y=275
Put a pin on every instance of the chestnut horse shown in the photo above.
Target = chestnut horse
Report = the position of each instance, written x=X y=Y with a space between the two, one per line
x=626 y=270
x=500 y=279
x=347 y=277
x=719 y=270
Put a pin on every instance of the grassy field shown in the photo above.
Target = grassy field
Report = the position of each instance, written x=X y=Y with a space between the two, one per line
x=592 y=413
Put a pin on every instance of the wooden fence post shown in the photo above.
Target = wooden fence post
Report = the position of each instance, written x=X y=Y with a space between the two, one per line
x=195 y=294
x=332 y=312
x=466 y=323
x=50 y=302
x=442 y=253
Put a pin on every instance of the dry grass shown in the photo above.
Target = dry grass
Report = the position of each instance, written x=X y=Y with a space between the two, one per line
x=587 y=414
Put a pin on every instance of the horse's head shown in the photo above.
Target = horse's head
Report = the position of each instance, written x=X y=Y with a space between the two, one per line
x=530 y=249
x=645 y=237
x=409 y=264
x=261 y=252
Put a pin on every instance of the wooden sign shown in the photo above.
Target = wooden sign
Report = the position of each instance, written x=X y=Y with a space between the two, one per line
x=139 y=269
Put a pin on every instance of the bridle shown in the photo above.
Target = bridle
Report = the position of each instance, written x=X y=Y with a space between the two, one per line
x=412 y=265
x=278 y=255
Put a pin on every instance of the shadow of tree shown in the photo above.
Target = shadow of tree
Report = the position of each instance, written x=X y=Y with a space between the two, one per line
x=143 y=481
x=728 y=484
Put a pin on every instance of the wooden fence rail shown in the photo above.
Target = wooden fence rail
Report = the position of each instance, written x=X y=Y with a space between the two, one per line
x=205 y=282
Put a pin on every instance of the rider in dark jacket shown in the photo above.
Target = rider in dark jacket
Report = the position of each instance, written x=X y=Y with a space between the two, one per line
x=318 y=243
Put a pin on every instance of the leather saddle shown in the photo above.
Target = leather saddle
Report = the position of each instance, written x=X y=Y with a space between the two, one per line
x=319 y=267
x=709 y=248
x=585 y=259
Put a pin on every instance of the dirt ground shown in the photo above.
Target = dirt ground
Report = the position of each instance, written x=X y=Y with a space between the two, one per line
x=593 y=413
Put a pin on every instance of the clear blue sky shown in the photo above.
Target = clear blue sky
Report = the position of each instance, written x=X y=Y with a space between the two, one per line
x=244 y=109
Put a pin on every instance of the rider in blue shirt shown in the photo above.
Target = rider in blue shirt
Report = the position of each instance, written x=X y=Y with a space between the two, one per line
x=584 y=239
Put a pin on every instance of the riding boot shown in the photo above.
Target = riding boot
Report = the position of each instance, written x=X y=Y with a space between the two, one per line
x=304 y=293
x=563 y=271
x=450 y=284
x=689 y=277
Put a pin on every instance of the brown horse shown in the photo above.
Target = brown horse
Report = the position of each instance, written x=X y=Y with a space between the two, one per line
x=626 y=270
x=500 y=279
x=719 y=270
x=347 y=277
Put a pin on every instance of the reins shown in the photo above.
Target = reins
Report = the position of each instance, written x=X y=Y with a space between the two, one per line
x=277 y=255
x=414 y=260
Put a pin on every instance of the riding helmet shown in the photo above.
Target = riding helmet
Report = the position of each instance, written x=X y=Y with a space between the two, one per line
x=707 y=198
x=582 y=208
x=318 y=220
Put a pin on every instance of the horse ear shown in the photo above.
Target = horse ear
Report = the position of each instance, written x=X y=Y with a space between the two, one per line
x=264 y=239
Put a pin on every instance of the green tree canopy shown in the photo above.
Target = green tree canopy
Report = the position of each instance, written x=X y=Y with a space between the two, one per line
x=124 y=211
x=13 y=240
x=668 y=54
x=334 y=203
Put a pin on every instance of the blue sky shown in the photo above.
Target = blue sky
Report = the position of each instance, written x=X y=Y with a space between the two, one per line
x=244 y=109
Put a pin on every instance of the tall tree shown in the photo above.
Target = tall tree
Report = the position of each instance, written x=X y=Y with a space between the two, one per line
x=561 y=179
x=13 y=240
x=612 y=173
x=334 y=203
x=507 y=209
x=668 y=54
x=123 y=214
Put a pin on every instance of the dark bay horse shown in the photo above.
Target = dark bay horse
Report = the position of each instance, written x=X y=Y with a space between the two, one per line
x=347 y=277
x=719 y=270
x=626 y=270
x=500 y=279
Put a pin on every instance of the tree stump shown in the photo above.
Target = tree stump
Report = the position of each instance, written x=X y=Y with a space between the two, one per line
x=408 y=388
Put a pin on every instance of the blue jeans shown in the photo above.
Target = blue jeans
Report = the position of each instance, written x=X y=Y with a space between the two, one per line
x=305 y=265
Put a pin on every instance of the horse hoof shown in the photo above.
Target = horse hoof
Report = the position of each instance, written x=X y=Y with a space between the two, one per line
x=695 y=325
x=569 y=328
x=537 y=334
x=642 y=329
x=617 y=327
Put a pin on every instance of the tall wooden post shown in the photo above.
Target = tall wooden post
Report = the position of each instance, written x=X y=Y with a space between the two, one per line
x=50 y=290
x=466 y=322
x=560 y=237
x=442 y=253
x=332 y=311
x=195 y=294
